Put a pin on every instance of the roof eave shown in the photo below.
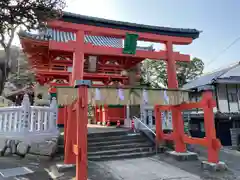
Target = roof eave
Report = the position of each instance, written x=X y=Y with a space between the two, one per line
x=81 y=19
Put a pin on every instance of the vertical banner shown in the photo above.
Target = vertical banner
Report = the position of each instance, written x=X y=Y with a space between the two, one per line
x=121 y=94
x=167 y=115
x=145 y=96
x=97 y=94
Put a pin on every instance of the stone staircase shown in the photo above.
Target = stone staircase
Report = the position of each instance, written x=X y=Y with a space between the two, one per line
x=118 y=145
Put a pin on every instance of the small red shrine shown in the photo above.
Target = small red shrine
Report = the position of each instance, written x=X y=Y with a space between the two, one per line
x=76 y=48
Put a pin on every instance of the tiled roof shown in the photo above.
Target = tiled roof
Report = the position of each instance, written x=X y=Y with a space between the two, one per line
x=100 y=22
x=61 y=36
x=210 y=78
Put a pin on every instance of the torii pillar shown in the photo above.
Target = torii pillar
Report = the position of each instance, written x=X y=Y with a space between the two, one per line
x=80 y=148
x=178 y=125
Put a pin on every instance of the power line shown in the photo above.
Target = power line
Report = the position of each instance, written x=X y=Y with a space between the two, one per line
x=224 y=50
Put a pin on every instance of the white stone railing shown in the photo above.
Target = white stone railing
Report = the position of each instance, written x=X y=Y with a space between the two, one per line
x=29 y=123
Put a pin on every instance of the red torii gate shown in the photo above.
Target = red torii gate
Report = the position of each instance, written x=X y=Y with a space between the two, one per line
x=76 y=143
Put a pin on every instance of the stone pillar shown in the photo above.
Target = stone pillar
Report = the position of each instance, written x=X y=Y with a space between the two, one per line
x=127 y=121
x=25 y=115
x=53 y=115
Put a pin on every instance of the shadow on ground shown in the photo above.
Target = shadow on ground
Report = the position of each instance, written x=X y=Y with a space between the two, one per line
x=42 y=169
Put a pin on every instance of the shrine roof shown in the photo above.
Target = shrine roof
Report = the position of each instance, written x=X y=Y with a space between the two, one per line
x=61 y=36
x=100 y=22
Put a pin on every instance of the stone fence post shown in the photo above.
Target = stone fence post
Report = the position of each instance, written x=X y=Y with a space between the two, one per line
x=53 y=115
x=25 y=115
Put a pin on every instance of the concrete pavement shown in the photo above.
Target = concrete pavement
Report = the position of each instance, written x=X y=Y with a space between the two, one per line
x=160 y=167
x=141 y=169
x=146 y=169
x=43 y=169
x=227 y=155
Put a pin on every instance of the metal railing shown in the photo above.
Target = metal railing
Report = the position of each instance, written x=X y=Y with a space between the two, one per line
x=141 y=126
x=138 y=120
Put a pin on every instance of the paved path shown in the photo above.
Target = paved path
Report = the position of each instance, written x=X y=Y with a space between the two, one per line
x=146 y=169
x=160 y=167
x=232 y=159
x=141 y=169
x=36 y=165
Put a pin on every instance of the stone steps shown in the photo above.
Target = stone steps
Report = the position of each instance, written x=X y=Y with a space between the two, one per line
x=121 y=156
x=108 y=134
x=120 y=141
x=120 y=137
x=119 y=144
x=121 y=151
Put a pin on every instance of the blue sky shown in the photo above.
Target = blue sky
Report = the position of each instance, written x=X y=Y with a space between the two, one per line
x=218 y=19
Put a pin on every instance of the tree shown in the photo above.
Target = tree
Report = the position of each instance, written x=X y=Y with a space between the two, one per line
x=154 y=72
x=29 y=14
x=189 y=71
x=22 y=75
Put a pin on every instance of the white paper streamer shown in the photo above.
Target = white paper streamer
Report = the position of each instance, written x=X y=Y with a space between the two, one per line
x=145 y=96
x=167 y=117
x=166 y=98
x=97 y=94
x=120 y=94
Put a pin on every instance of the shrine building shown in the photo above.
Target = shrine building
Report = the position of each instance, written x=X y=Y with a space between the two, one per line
x=51 y=57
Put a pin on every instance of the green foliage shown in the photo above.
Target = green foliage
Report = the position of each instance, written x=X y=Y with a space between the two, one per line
x=28 y=14
x=22 y=75
x=189 y=71
x=154 y=73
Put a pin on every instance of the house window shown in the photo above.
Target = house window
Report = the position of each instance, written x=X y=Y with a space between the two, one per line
x=232 y=97
x=232 y=93
x=222 y=93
